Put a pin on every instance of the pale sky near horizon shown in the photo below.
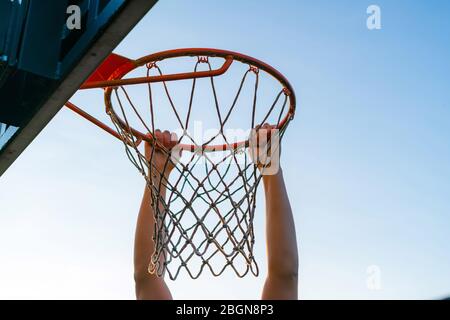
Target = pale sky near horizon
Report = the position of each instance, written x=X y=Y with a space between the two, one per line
x=366 y=159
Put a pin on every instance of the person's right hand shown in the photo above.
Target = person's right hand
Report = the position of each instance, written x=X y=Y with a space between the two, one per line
x=163 y=143
x=263 y=141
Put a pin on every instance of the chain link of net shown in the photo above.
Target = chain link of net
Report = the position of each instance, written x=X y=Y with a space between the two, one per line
x=202 y=220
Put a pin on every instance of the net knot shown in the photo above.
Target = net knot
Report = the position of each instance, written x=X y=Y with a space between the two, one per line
x=254 y=69
x=151 y=65
x=286 y=91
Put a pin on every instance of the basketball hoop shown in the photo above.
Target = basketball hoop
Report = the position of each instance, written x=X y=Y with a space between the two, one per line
x=205 y=219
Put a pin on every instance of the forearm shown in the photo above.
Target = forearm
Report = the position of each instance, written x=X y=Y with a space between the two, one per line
x=148 y=286
x=281 y=238
x=144 y=245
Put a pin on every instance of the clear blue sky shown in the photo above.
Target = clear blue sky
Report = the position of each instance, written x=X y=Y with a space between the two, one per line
x=366 y=159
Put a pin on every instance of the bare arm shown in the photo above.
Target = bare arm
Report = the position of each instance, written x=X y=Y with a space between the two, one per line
x=149 y=286
x=282 y=252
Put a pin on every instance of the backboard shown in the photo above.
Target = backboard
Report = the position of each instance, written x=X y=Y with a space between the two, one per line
x=43 y=60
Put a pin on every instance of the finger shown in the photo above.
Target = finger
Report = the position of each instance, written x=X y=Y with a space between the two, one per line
x=148 y=137
x=173 y=139
x=158 y=135
x=261 y=131
x=269 y=130
x=148 y=145
x=166 y=139
x=158 y=139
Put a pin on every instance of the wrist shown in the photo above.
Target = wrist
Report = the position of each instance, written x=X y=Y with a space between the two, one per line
x=267 y=178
